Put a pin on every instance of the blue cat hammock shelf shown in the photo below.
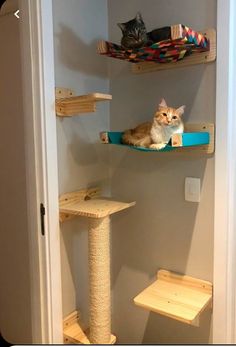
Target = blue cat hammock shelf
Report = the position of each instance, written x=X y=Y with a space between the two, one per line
x=184 y=48
x=197 y=137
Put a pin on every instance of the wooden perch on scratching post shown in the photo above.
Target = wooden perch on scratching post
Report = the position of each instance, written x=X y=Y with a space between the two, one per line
x=98 y=211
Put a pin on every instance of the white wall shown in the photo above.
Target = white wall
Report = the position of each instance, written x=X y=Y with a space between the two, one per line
x=83 y=161
x=162 y=231
x=15 y=303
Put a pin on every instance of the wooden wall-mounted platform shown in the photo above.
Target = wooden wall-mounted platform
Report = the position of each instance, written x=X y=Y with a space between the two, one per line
x=74 y=333
x=87 y=203
x=68 y=199
x=194 y=59
x=179 y=297
x=67 y=104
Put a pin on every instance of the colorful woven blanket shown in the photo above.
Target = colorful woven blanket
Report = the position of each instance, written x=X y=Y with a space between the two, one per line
x=183 y=42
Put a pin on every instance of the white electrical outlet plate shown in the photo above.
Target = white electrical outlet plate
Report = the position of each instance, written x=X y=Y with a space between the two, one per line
x=192 y=189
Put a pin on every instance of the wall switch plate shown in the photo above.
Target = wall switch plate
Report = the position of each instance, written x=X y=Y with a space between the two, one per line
x=192 y=189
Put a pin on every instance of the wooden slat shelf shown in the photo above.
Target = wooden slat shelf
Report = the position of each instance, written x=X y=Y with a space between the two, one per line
x=198 y=137
x=176 y=296
x=67 y=104
x=86 y=203
x=74 y=333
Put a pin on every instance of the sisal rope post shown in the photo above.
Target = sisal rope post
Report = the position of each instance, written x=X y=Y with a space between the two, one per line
x=99 y=278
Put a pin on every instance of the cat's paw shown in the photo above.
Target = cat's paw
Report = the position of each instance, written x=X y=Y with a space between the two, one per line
x=157 y=146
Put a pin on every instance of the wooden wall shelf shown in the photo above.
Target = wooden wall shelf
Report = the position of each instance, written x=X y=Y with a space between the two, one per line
x=67 y=104
x=87 y=203
x=194 y=59
x=138 y=67
x=197 y=137
x=180 y=297
x=74 y=333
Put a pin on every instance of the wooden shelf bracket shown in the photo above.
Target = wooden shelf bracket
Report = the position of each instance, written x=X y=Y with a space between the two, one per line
x=74 y=332
x=68 y=104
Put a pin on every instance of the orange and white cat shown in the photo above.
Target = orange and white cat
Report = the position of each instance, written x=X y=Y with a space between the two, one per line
x=156 y=134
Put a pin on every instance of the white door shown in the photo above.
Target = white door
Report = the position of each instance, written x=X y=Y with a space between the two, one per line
x=30 y=283
x=15 y=303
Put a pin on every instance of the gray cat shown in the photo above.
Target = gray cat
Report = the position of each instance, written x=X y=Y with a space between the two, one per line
x=134 y=33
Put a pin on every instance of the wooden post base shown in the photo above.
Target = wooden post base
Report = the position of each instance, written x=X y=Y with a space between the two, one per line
x=75 y=334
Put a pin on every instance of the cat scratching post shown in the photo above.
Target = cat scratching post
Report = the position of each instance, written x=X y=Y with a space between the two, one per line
x=98 y=212
x=99 y=280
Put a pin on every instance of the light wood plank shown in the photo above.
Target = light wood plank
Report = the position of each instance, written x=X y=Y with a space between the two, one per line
x=176 y=140
x=190 y=282
x=195 y=58
x=71 y=319
x=67 y=104
x=104 y=137
x=74 y=109
x=176 y=296
x=86 y=98
x=95 y=208
x=62 y=93
x=75 y=335
x=200 y=127
x=86 y=203
x=74 y=332
x=176 y=32
x=69 y=198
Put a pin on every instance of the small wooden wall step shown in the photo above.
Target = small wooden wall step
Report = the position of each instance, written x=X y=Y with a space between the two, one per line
x=197 y=137
x=68 y=104
x=176 y=296
x=74 y=332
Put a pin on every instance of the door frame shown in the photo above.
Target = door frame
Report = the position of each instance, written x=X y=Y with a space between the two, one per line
x=41 y=152
x=36 y=26
x=225 y=177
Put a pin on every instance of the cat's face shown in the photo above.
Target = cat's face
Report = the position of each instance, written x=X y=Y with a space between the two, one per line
x=134 y=33
x=169 y=116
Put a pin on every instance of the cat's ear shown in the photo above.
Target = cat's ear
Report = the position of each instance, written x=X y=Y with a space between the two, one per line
x=180 y=110
x=139 y=17
x=162 y=103
x=121 y=26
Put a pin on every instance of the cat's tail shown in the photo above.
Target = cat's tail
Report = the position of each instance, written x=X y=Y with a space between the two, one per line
x=127 y=138
x=132 y=138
